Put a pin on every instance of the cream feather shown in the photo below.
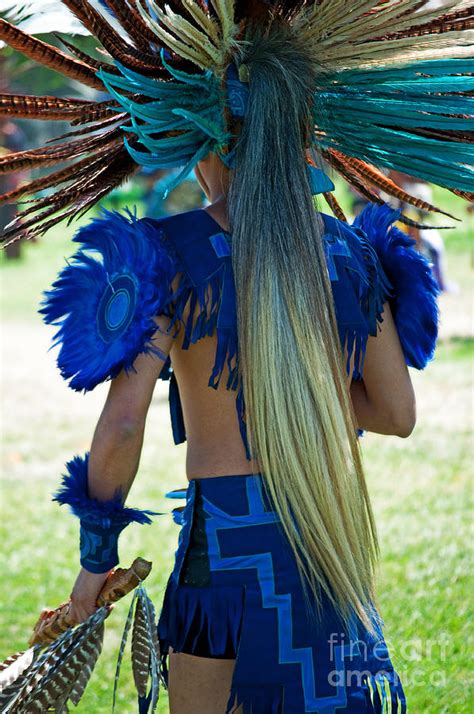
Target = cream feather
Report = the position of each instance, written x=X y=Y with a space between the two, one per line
x=203 y=20
x=330 y=18
x=200 y=59
x=346 y=41
x=208 y=49
x=388 y=20
x=185 y=31
x=226 y=12
x=380 y=60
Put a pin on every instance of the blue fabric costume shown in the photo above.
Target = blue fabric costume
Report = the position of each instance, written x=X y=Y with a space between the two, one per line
x=235 y=591
x=393 y=90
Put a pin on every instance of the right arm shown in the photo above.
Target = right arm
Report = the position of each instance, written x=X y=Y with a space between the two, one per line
x=384 y=400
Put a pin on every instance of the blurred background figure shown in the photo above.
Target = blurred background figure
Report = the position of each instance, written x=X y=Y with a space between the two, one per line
x=429 y=241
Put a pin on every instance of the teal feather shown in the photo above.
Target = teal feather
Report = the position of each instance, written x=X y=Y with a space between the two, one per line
x=199 y=156
x=200 y=80
x=415 y=71
x=369 y=114
x=215 y=130
x=191 y=104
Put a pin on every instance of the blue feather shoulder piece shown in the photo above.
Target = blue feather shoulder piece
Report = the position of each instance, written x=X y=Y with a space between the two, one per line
x=414 y=297
x=105 y=299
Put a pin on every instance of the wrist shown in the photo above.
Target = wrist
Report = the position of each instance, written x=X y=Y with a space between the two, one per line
x=98 y=547
x=101 y=521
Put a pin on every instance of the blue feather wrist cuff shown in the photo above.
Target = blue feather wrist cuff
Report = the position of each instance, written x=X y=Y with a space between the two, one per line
x=101 y=521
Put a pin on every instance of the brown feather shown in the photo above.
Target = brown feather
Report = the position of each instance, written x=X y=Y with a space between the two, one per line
x=69 y=194
x=48 y=55
x=35 y=225
x=91 y=61
x=463 y=194
x=112 y=42
x=337 y=160
x=132 y=22
x=140 y=650
x=53 y=179
x=48 y=108
x=421 y=226
x=96 y=23
x=108 y=183
x=82 y=665
x=14 y=673
x=22 y=232
x=79 y=174
x=91 y=128
x=335 y=206
x=372 y=175
x=76 y=111
x=98 y=111
x=116 y=171
x=445 y=134
x=460 y=20
x=59 y=668
x=434 y=28
x=54 y=154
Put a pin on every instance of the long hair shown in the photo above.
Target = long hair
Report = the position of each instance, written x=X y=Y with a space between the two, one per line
x=299 y=417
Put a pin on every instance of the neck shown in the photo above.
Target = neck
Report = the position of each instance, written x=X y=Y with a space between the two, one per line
x=218 y=210
x=217 y=198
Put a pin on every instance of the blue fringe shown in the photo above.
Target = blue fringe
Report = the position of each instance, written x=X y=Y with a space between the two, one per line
x=192 y=612
x=204 y=303
x=384 y=693
x=413 y=304
x=74 y=493
x=264 y=700
x=360 y=288
x=113 y=247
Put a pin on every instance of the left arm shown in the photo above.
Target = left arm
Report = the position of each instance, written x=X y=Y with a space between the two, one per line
x=384 y=400
x=116 y=449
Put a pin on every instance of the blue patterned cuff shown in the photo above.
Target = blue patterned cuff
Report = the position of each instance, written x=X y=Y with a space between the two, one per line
x=99 y=547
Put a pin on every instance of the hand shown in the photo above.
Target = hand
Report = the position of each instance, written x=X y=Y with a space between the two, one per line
x=84 y=595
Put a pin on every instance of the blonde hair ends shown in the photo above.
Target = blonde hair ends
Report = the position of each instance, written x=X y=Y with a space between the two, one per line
x=299 y=416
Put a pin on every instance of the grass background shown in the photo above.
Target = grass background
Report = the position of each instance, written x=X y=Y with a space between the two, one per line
x=421 y=489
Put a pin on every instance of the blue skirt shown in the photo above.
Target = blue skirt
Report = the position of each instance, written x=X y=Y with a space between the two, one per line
x=235 y=593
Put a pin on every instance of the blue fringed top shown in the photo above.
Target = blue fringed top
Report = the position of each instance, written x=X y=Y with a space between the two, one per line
x=105 y=299
x=202 y=255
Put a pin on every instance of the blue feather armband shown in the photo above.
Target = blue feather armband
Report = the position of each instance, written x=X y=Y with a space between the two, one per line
x=415 y=290
x=105 y=299
x=101 y=521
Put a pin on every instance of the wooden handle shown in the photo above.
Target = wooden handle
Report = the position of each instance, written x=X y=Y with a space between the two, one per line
x=120 y=582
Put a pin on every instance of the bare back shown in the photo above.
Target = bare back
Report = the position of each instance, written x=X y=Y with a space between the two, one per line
x=214 y=442
x=215 y=446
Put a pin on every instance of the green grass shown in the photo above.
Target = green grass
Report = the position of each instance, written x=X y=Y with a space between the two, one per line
x=420 y=488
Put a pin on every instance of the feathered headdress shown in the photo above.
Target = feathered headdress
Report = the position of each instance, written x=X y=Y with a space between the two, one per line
x=394 y=90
